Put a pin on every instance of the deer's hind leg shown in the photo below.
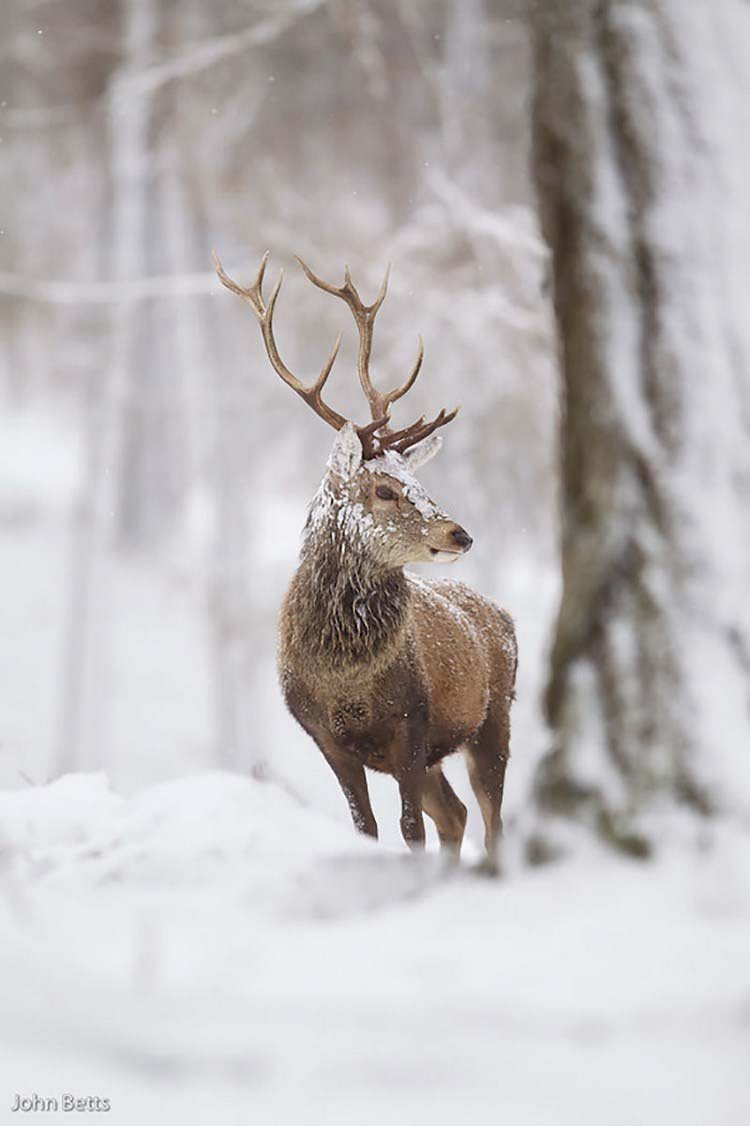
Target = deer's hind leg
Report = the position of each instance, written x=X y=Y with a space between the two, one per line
x=440 y=802
x=487 y=757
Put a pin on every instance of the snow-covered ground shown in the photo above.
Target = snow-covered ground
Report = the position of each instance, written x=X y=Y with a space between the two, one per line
x=211 y=951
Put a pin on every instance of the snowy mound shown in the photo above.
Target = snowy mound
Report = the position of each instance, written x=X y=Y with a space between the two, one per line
x=216 y=833
x=210 y=951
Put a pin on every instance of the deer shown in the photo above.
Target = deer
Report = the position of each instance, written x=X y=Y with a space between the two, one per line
x=385 y=670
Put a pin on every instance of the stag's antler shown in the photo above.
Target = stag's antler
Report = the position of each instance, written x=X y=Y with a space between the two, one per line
x=376 y=436
x=401 y=440
x=253 y=295
x=380 y=401
x=364 y=318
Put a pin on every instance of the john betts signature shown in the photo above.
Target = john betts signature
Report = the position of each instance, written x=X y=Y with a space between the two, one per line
x=66 y=1102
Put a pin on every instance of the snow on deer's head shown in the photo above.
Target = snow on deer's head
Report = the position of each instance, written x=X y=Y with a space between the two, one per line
x=369 y=493
x=377 y=503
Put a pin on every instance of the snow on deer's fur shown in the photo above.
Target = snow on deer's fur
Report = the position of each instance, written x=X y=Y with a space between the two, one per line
x=382 y=669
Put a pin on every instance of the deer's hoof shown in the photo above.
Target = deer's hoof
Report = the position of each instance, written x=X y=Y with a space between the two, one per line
x=488 y=866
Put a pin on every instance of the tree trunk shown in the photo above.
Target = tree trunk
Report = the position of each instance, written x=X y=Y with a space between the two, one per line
x=217 y=428
x=84 y=687
x=465 y=87
x=640 y=115
x=149 y=494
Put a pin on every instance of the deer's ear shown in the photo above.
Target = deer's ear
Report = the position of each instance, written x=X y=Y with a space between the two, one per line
x=346 y=455
x=423 y=451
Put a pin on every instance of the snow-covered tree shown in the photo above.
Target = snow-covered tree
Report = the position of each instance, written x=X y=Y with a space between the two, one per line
x=641 y=112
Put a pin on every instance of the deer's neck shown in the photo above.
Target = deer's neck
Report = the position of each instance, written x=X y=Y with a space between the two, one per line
x=348 y=609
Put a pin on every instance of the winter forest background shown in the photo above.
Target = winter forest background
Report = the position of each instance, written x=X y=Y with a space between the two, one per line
x=149 y=442
x=188 y=925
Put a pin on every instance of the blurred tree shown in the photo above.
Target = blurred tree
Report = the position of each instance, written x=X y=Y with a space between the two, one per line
x=468 y=133
x=642 y=183
x=114 y=423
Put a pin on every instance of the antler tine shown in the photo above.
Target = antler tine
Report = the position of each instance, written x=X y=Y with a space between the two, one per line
x=399 y=392
x=381 y=292
x=371 y=442
x=364 y=317
x=397 y=435
x=253 y=295
x=401 y=440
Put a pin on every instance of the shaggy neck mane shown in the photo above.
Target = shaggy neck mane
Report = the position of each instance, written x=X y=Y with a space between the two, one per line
x=350 y=607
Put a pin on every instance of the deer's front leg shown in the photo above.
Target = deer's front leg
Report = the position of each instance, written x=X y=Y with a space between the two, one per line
x=351 y=775
x=409 y=765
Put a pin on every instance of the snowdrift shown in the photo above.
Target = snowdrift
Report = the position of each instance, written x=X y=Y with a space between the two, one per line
x=209 y=950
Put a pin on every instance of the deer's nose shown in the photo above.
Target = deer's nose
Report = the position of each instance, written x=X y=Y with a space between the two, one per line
x=462 y=538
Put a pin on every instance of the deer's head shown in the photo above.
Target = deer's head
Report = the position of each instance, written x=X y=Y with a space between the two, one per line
x=369 y=493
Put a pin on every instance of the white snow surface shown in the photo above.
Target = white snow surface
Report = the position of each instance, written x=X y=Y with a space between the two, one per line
x=211 y=951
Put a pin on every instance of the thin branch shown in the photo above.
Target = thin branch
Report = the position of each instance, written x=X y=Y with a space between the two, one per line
x=215 y=50
x=153 y=77
x=46 y=117
x=54 y=292
x=487 y=226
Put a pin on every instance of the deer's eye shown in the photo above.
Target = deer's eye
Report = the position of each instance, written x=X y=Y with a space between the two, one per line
x=385 y=493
